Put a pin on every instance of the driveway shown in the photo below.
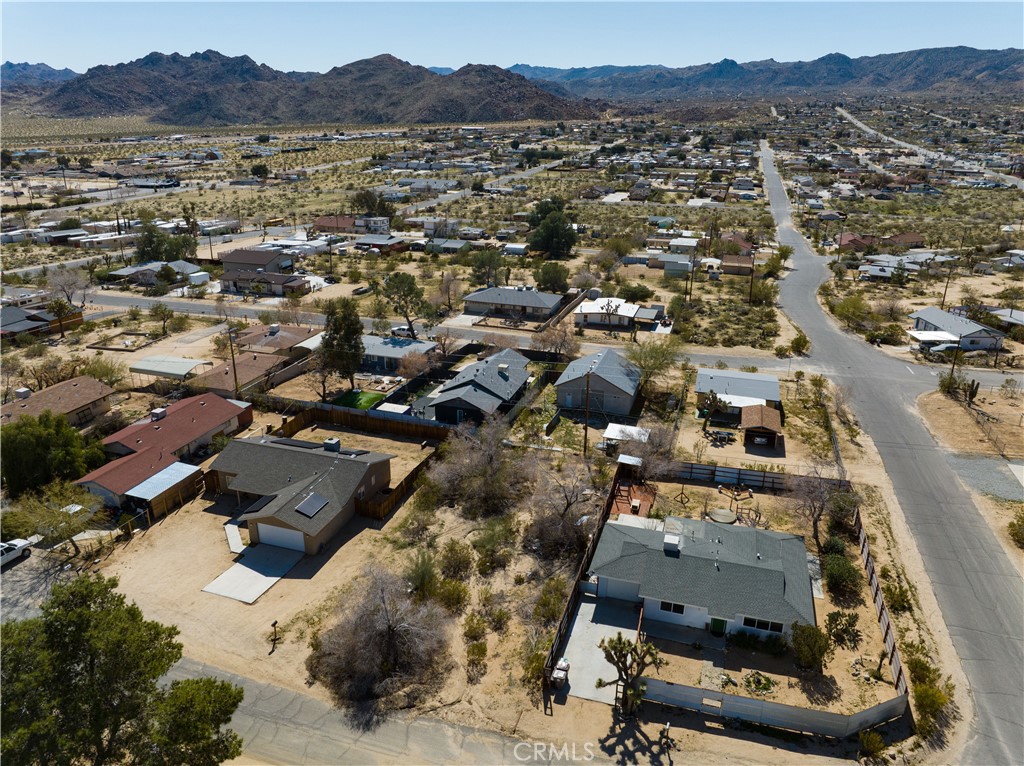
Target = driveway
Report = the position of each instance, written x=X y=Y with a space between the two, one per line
x=596 y=619
x=256 y=572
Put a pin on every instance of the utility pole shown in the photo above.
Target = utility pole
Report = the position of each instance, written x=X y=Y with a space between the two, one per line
x=956 y=353
x=750 y=296
x=949 y=275
x=234 y=367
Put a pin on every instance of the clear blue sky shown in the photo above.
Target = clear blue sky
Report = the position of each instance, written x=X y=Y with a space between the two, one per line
x=316 y=36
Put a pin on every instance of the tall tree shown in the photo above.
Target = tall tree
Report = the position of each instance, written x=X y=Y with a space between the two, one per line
x=61 y=310
x=37 y=450
x=163 y=314
x=405 y=296
x=630 y=660
x=342 y=344
x=81 y=685
x=554 y=235
x=552 y=277
x=654 y=357
x=486 y=267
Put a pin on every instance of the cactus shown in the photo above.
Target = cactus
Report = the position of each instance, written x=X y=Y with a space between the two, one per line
x=972 y=391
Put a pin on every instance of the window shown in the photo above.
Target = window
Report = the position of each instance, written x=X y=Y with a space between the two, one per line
x=668 y=606
x=772 y=627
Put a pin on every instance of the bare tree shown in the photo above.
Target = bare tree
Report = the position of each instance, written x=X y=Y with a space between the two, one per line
x=446 y=340
x=657 y=453
x=64 y=283
x=449 y=289
x=558 y=339
x=499 y=342
x=386 y=642
x=565 y=515
x=413 y=363
x=10 y=373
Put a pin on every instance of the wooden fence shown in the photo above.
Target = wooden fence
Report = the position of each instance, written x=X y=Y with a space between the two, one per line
x=371 y=421
x=564 y=624
x=563 y=312
x=774 y=714
x=379 y=507
x=881 y=611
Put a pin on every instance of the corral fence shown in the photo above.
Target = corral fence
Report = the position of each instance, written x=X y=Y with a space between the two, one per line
x=985 y=421
x=774 y=714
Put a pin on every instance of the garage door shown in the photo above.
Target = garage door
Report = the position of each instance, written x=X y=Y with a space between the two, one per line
x=627 y=591
x=281 y=537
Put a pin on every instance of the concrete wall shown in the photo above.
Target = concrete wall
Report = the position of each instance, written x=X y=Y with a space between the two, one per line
x=692 y=617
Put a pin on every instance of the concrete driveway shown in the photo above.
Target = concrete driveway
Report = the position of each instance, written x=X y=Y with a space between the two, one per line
x=596 y=619
x=255 y=573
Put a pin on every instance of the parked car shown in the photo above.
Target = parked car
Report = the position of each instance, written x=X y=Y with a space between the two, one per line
x=942 y=347
x=14 y=549
x=402 y=330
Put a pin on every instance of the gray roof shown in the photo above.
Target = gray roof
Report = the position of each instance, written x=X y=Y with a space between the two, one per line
x=484 y=384
x=951 y=323
x=287 y=473
x=727 y=578
x=251 y=257
x=734 y=383
x=393 y=347
x=610 y=366
x=184 y=267
x=511 y=296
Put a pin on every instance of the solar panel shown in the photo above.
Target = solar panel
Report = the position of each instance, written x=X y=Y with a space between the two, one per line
x=297 y=443
x=311 y=504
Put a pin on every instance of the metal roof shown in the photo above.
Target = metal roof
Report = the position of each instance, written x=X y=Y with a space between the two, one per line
x=164 y=366
x=163 y=480
x=745 y=384
x=609 y=366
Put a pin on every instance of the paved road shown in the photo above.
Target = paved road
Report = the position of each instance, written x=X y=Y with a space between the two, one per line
x=978 y=590
x=282 y=726
x=1018 y=182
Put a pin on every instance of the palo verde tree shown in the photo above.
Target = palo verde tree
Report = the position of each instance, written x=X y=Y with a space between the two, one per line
x=630 y=660
x=82 y=685
x=653 y=358
x=58 y=512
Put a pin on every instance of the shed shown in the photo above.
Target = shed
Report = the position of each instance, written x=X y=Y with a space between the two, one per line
x=169 y=488
x=761 y=426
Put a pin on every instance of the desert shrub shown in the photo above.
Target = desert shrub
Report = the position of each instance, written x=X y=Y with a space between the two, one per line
x=422 y=575
x=476 y=653
x=474 y=627
x=782 y=351
x=456 y=560
x=842 y=628
x=842 y=577
x=493 y=544
x=551 y=601
x=929 y=702
x=897 y=597
x=452 y=595
x=533 y=669
x=1016 y=527
x=871 y=744
x=834 y=546
x=497 y=618
x=776 y=645
x=743 y=639
x=811 y=645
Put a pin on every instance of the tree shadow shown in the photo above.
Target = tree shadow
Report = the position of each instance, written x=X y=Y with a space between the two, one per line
x=819 y=688
x=626 y=742
x=365 y=715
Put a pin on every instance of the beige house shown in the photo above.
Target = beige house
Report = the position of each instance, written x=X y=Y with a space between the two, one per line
x=80 y=400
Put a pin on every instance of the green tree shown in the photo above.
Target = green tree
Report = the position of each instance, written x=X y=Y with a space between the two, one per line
x=261 y=171
x=543 y=209
x=61 y=310
x=630 y=660
x=342 y=343
x=486 y=267
x=552 y=277
x=81 y=685
x=371 y=203
x=852 y=310
x=405 y=296
x=45 y=513
x=37 y=450
x=654 y=358
x=554 y=235
x=163 y=314
x=635 y=293
x=800 y=344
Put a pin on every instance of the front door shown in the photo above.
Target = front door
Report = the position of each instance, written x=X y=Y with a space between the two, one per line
x=717 y=626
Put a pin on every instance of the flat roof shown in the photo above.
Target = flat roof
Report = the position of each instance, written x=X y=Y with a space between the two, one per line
x=163 y=480
x=165 y=366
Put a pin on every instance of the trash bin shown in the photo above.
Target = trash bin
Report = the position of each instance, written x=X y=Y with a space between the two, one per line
x=560 y=674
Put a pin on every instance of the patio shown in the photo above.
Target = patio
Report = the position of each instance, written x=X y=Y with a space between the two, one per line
x=633 y=499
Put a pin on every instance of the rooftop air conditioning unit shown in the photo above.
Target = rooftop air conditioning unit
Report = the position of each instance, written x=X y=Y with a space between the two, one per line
x=275 y=328
x=158 y=414
x=22 y=393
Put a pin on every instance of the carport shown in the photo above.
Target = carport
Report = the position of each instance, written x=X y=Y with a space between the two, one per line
x=169 y=367
x=168 y=489
x=761 y=426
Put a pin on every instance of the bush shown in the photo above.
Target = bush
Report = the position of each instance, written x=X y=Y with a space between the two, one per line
x=842 y=628
x=811 y=646
x=871 y=744
x=551 y=601
x=452 y=595
x=1016 y=528
x=422 y=575
x=456 y=560
x=782 y=352
x=493 y=544
x=842 y=577
x=474 y=627
x=897 y=597
x=834 y=545
x=800 y=344
x=635 y=293
x=476 y=653
x=533 y=669
x=497 y=618
x=929 y=702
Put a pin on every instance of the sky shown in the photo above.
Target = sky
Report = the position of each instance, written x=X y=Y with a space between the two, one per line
x=302 y=36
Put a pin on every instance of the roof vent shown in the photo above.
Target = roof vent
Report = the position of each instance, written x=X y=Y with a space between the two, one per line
x=332 y=444
x=158 y=414
x=22 y=393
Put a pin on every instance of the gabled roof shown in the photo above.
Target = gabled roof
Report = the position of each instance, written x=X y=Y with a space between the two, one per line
x=951 y=323
x=288 y=471
x=60 y=399
x=286 y=336
x=250 y=257
x=729 y=570
x=512 y=296
x=609 y=366
x=182 y=423
x=248 y=367
x=267 y=277
x=394 y=347
x=760 y=416
x=489 y=383
x=119 y=476
x=748 y=384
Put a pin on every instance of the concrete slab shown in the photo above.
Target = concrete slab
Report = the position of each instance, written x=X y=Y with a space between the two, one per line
x=255 y=573
x=814 y=569
x=235 y=544
x=596 y=619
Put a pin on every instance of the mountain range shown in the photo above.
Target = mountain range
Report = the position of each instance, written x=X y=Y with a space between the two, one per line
x=209 y=89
